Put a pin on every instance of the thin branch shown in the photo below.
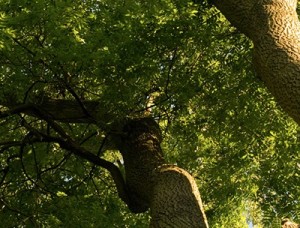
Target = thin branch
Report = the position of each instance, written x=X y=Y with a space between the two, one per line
x=5 y=203
x=5 y=172
x=97 y=190
x=24 y=47
x=35 y=162
x=65 y=158
x=30 y=89
x=77 y=98
x=171 y=65
x=21 y=158
x=88 y=137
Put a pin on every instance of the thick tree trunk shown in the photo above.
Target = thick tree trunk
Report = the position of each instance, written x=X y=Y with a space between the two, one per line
x=170 y=192
x=176 y=200
x=274 y=28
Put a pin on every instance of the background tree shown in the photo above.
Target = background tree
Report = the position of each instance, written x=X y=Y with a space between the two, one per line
x=102 y=62
x=273 y=28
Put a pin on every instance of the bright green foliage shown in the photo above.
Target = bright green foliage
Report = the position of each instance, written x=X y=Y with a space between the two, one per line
x=219 y=122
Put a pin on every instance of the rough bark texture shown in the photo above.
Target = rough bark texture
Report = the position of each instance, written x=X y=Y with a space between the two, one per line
x=170 y=192
x=274 y=28
x=176 y=200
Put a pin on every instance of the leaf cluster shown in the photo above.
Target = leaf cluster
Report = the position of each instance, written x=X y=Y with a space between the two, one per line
x=180 y=58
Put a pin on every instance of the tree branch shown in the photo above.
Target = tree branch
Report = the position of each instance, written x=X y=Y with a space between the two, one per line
x=67 y=143
x=67 y=111
x=79 y=151
x=273 y=26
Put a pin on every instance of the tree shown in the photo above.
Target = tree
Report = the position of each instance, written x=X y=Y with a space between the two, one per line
x=273 y=28
x=85 y=80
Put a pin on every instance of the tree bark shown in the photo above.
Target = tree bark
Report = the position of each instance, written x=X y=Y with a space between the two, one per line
x=274 y=28
x=170 y=192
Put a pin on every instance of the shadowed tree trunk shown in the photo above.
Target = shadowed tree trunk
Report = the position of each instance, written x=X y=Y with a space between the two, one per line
x=274 y=28
x=170 y=192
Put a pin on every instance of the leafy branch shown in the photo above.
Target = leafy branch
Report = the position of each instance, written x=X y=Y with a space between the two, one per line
x=67 y=143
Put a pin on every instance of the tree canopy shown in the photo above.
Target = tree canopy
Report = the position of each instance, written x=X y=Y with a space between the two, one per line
x=179 y=61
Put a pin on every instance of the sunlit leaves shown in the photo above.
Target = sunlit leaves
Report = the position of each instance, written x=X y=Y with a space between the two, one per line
x=218 y=120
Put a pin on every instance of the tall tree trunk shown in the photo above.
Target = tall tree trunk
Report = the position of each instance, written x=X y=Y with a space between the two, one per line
x=170 y=192
x=274 y=28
